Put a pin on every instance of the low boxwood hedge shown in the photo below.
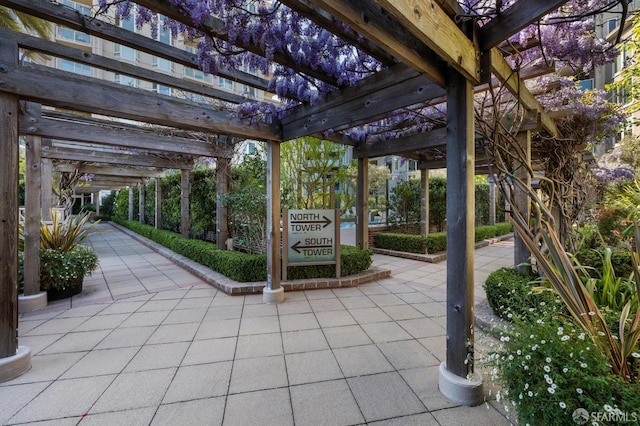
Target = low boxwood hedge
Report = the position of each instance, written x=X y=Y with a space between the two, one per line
x=244 y=267
x=510 y=295
x=620 y=260
x=435 y=242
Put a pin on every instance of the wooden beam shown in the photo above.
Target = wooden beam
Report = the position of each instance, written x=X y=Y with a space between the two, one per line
x=36 y=44
x=49 y=150
x=109 y=170
x=67 y=90
x=328 y=22
x=502 y=70
x=432 y=26
x=367 y=19
x=46 y=196
x=68 y=17
x=368 y=100
x=432 y=139
x=513 y=19
x=114 y=135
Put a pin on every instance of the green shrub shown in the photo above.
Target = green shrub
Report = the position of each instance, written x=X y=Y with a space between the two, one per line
x=436 y=242
x=510 y=295
x=401 y=242
x=620 y=260
x=485 y=232
x=503 y=228
x=549 y=368
x=101 y=217
x=59 y=270
x=244 y=267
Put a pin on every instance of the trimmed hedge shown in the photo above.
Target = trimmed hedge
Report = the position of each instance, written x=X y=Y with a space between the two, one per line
x=401 y=242
x=510 y=295
x=435 y=242
x=244 y=267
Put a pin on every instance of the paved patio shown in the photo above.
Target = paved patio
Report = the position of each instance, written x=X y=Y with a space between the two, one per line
x=149 y=343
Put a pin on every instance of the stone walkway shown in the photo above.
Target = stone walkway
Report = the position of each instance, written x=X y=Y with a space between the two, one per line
x=149 y=343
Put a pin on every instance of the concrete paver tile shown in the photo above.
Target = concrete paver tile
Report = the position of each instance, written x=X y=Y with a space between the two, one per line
x=258 y=374
x=137 y=389
x=199 y=381
x=205 y=412
x=268 y=407
x=361 y=360
x=383 y=396
x=304 y=341
x=211 y=350
x=328 y=403
x=309 y=367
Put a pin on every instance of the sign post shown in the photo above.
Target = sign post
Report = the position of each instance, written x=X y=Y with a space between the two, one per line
x=312 y=237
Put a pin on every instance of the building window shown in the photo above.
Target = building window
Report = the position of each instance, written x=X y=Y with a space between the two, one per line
x=198 y=75
x=75 y=67
x=125 y=52
x=162 y=89
x=126 y=80
x=225 y=83
x=163 y=36
x=249 y=92
x=73 y=36
x=82 y=8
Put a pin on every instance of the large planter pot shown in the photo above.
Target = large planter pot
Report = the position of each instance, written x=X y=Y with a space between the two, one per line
x=64 y=293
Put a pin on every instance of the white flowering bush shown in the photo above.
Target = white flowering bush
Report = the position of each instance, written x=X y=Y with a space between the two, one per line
x=59 y=270
x=548 y=368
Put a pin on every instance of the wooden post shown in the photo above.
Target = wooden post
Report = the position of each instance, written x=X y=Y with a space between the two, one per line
x=454 y=374
x=141 y=200
x=96 y=202
x=158 y=216
x=185 y=218
x=273 y=292
x=32 y=217
x=130 y=217
x=492 y=200
x=8 y=213
x=223 y=173
x=362 y=204
x=521 y=254
x=424 y=202
x=46 y=196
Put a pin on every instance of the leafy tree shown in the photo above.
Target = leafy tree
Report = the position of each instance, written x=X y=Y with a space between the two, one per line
x=108 y=204
x=627 y=80
x=310 y=170
x=203 y=199
x=247 y=202
x=437 y=202
x=405 y=203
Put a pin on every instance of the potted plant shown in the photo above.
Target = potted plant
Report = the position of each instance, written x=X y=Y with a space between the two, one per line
x=64 y=262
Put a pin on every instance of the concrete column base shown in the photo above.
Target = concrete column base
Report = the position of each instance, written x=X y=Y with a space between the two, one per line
x=31 y=303
x=459 y=389
x=13 y=366
x=271 y=297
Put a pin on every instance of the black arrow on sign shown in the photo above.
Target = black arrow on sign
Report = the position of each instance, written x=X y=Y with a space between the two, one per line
x=297 y=246
x=326 y=221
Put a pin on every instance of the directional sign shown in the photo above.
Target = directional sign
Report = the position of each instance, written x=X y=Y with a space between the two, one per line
x=311 y=236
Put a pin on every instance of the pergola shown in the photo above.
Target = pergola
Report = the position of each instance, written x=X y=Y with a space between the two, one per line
x=429 y=58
